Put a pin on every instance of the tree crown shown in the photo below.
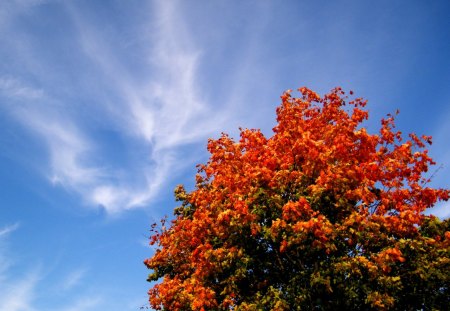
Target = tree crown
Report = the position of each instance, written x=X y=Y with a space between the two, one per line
x=322 y=215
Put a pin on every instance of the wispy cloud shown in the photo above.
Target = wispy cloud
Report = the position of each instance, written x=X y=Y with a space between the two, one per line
x=14 y=88
x=73 y=279
x=67 y=148
x=83 y=304
x=164 y=107
x=5 y=231
x=159 y=110
x=19 y=294
x=164 y=112
x=16 y=293
x=5 y=260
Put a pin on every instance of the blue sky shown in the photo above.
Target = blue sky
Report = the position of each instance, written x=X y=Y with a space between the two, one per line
x=106 y=105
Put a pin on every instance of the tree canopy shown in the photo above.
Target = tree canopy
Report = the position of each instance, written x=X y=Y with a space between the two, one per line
x=320 y=216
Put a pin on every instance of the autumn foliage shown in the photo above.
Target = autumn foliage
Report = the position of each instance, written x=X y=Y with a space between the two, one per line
x=321 y=216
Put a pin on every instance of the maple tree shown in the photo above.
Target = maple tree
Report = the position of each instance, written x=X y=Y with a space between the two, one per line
x=322 y=215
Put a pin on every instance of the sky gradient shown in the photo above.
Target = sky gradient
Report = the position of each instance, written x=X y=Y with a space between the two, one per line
x=105 y=106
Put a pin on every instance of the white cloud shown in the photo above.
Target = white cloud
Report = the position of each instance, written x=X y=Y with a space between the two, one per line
x=5 y=260
x=16 y=293
x=164 y=107
x=73 y=279
x=164 y=112
x=68 y=147
x=19 y=294
x=5 y=231
x=14 y=88
x=160 y=110
x=82 y=304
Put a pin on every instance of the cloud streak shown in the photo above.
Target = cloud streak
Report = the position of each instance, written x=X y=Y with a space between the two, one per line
x=20 y=292
x=5 y=231
x=73 y=279
x=16 y=294
x=83 y=304
x=5 y=261
x=19 y=295
x=163 y=112
x=159 y=111
x=14 y=88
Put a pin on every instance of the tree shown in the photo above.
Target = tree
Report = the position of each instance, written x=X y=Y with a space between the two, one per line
x=320 y=216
